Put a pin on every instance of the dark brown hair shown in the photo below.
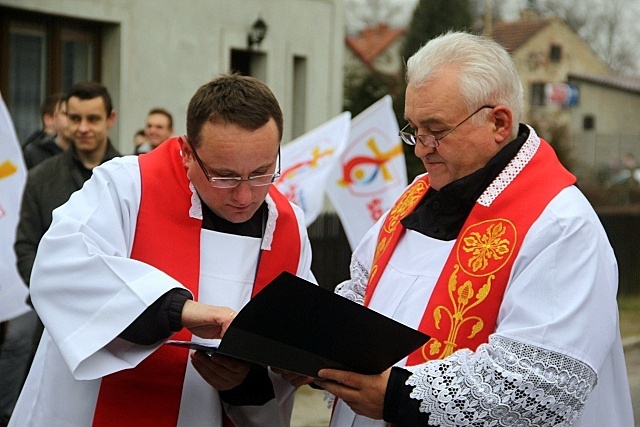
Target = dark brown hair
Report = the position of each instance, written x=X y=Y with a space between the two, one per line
x=164 y=113
x=232 y=98
x=90 y=90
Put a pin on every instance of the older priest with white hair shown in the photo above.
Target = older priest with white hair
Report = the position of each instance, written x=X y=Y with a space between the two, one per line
x=497 y=256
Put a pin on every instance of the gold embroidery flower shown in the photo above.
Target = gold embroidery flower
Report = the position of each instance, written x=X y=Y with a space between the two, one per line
x=485 y=247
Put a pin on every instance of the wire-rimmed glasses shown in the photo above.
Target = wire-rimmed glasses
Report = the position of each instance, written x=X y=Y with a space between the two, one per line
x=433 y=141
x=234 y=181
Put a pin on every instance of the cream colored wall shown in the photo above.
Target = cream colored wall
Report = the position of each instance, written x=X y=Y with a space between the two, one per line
x=156 y=53
x=533 y=64
x=617 y=128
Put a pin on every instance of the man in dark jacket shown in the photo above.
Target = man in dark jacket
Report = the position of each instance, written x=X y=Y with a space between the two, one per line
x=49 y=185
x=47 y=110
x=56 y=141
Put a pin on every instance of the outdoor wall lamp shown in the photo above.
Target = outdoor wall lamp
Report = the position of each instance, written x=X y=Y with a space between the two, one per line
x=256 y=33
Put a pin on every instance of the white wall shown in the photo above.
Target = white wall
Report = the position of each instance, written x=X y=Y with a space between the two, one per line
x=156 y=53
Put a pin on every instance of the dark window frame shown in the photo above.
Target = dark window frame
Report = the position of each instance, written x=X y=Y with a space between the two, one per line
x=54 y=26
x=589 y=122
x=538 y=97
x=42 y=54
x=555 y=53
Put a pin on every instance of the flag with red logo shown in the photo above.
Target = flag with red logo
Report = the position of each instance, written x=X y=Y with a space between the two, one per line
x=13 y=174
x=371 y=172
x=307 y=162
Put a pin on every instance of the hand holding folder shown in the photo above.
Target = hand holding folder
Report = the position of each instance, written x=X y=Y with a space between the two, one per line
x=297 y=326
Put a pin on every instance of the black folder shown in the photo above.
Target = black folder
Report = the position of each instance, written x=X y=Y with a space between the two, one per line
x=297 y=326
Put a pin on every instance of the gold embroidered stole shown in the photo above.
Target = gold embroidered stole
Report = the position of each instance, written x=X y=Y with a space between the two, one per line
x=463 y=308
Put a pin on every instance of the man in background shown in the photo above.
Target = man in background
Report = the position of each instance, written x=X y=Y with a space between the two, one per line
x=54 y=138
x=140 y=144
x=159 y=127
x=47 y=108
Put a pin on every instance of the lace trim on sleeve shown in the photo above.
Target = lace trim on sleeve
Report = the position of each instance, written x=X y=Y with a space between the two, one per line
x=504 y=383
x=354 y=288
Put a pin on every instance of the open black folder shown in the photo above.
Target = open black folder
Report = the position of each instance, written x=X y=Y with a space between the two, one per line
x=297 y=326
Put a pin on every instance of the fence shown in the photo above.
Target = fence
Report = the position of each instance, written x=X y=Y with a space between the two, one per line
x=593 y=151
x=621 y=226
x=331 y=250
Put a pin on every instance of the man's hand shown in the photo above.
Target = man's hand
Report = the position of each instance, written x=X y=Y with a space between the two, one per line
x=296 y=380
x=221 y=372
x=363 y=393
x=206 y=321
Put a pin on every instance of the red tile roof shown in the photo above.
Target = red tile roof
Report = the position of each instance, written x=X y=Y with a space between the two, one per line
x=512 y=35
x=372 y=41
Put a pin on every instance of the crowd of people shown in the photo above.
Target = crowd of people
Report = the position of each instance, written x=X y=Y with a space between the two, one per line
x=493 y=253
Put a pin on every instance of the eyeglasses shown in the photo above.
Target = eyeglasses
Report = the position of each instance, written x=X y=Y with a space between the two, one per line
x=234 y=181
x=433 y=141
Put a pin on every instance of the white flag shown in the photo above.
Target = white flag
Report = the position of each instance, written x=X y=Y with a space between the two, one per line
x=13 y=173
x=371 y=174
x=307 y=162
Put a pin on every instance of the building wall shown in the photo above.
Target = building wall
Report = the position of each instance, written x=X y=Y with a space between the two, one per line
x=156 y=53
x=534 y=65
x=617 y=128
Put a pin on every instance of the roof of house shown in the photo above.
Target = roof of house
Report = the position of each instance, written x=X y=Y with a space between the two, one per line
x=626 y=83
x=512 y=35
x=372 y=41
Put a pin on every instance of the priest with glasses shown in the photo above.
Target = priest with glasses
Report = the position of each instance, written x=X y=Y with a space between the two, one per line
x=169 y=244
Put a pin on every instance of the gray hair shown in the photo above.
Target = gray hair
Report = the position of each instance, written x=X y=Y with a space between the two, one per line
x=487 y=72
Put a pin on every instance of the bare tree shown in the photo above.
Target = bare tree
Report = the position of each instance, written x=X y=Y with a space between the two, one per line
x=608 y=26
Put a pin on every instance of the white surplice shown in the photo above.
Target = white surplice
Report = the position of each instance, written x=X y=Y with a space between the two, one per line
x=559 y=314
x=87 y=291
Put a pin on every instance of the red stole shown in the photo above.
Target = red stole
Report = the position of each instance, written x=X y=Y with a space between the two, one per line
x=169 y=239
x=463 y=308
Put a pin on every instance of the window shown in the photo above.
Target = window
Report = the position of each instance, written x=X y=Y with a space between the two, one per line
x=555 y=53
x=588 y=122
x=43 y=54
x=249 y=63
x=76 y=57
x=537 y=94
x=27 y=76
x=299 y=96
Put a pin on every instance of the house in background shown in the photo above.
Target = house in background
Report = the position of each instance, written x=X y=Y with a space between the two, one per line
x=545 y=51
x=375 y=48
x=156 y=53
x=569 y=89
x=606 y=120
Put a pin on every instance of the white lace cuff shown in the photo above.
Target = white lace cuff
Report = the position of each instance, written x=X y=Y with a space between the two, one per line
x=504 y=383
x=354 y=288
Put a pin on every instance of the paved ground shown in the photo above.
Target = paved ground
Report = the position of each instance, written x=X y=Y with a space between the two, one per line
x=310 y=409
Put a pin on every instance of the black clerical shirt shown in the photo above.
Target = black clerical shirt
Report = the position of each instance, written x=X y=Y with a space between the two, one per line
x=441 y=214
